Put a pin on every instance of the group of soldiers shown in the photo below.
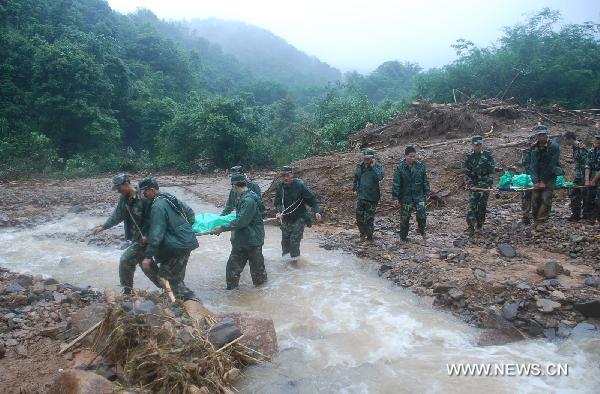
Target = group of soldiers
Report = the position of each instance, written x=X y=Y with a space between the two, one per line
x=159 y=225
x=540 y=160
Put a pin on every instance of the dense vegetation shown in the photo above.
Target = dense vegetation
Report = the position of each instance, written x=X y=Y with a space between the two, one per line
x=84 y=89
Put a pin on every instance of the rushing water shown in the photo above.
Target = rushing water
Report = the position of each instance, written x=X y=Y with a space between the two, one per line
x=340 y=327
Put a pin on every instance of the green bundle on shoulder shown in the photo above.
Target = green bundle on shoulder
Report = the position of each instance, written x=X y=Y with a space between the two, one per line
x=206 y=222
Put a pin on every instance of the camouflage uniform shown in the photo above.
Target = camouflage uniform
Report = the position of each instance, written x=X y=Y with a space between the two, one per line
x=133 y=212
x=593 y=164
x=410 y=187
x=291 y=201
x=526 y=195
x=170 y=241
x=479 y=169
x=248 y=236
x=580 y=196
x=544 y=168
x=366 y=186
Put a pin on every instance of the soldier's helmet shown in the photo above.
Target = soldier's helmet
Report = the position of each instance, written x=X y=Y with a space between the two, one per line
x=238 y=178
x=477 y=140
x=287 y=169
x=120 y=179
x=540 y=129
x=236 y=170
x=148 y=182
x=368 y=153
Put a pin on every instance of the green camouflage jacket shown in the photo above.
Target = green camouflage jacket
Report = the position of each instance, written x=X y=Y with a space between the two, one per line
x=410 y=185
x=580 y=157
x=140 y=210
x=366 y=181
x=293 y=198
x=247 y=227
x=593 y=161
x=545 y=165
x=479 y=169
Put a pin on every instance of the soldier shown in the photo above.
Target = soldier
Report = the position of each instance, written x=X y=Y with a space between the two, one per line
x=479 y=169
x=170 y=238
x=291 y=198
x=232 y=200
x=247 y=238
x=367 y=176
x=544 y=168
x=526 y=195
x=579 y=196
x=409 y=191
x=592 y=178
x=133 y=211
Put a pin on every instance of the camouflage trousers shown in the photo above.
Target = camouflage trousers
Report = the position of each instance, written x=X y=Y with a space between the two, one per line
x=526 y=204
x=291 y=235
x=365 y=216
x=405 y=213
x=130 y=259
x=541 y=202
x=237 y=261
x=582 y=201
x=477 y=208
x=172 y=266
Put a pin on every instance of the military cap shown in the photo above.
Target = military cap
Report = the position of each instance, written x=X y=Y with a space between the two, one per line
x=597 y=135
x=236 y=170
x=120 y=179
x=540 y=129
x=238 y=178
x=148 y=182
x=368 y=153
x=477 y=140
x=287 y=169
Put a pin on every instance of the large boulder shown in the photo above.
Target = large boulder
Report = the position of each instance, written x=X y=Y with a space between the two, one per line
x=75 y=381
x=589 y=308
x=259 y=331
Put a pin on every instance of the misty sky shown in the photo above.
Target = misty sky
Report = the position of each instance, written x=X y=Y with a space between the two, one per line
x=360 y=35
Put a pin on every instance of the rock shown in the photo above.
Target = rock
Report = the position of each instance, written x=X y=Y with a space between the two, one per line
x=21 y=350
x=455 y=293
x=442 y=287
x=19 y=300
x=550 y=270
x=81 y=382
x=507 y=250
x=523 y=286
x=479 y=274
x=577 y=238
x=551 y=282
x=583 y=328
x=592 y=281
x=50 y=281
x=192 y=389
x=38 y=288
x=589 y=308
x=59 y=297
x=76 y=209
x=197 y=312
x=259 y=331
x=499 y=336
x=2 y=350
x=4 y=220
x=24 y=280
x=547 y=306
x=85 y=318
x=53 y=331
x=563 y=331
x=14 y=288
x=459 y=243
x=427 y=282
x=558 y=295
x=535 y=328
x=509 y=311
x=385 y=267
x=11 y=342
x=232 y=375
x=223 y=332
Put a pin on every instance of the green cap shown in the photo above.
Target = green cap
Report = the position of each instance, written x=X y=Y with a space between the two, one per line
x=238 y=178
x=120 y=179
x=597 y=135
x=148 y=182
x=477 y=140
x=368 y=153
x=540 y=129
x=236 y=170
x=287 y=169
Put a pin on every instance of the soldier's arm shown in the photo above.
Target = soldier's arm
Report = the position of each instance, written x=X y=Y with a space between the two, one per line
x=278 y=202
x=248 y=209
x=309 y=197
x=255 y=188
x=230 y=204
x=491 y=170
x=469 y=174
x=158 y=227
x=426 y=187
x=117 y=215
x=380 y=171
x=396 y=184
x=356 y=179
x=188 y=212
x=535 y=178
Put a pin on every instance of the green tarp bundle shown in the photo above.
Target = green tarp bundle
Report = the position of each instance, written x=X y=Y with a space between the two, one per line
x=206 y=222
x=505 y=180
x=523 y=181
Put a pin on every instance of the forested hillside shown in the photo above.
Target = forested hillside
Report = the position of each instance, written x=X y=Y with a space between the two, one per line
x=84 y=89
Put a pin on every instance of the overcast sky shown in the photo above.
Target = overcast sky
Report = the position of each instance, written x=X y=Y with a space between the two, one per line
x=360 y=35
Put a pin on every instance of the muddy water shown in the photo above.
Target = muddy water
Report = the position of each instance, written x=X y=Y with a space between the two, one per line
x=340 y=327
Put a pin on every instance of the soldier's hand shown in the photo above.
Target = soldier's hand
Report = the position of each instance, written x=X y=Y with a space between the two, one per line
x=144 y=240
x=217 y=231
x=97 y=230
x=318 y=217
x=147 y=264
x=278 y=215
x=397 y=204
